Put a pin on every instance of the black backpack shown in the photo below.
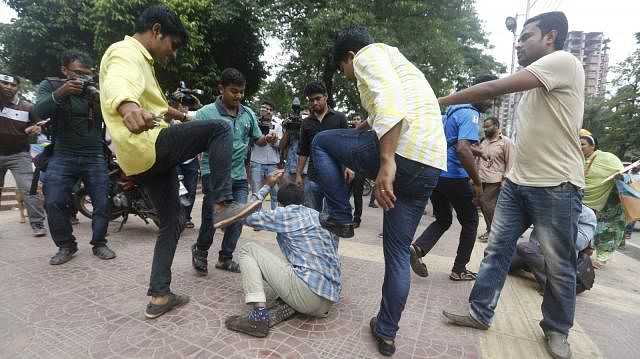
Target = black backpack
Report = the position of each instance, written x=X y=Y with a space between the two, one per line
x=585 y=275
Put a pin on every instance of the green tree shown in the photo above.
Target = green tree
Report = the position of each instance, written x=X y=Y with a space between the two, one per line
x=223 y=33
x=443 y=38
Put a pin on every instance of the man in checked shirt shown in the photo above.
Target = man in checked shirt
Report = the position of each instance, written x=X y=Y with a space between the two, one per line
x=306 y=277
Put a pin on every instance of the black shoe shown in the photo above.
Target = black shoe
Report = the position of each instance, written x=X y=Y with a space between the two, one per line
x=356 y=222
x=343 y=230
x=373 y=205
x=199 y=260
x=63 y=256
x=175 y=300
x=234 y=212
x=384 y=348
x=415 y=259
x=242 y=324
x=104 y=252
x=279 y=312
x=38 y=229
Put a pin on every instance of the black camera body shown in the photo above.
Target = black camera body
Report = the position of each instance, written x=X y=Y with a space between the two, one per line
x=90 y=89
x=294 y=122
x=187 y=98
x=266 y=126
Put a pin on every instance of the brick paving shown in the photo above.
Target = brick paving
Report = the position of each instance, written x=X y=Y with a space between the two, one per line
x=89 y=308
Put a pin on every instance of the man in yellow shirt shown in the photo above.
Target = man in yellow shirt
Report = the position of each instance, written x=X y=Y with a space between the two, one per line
x=405 y=153
x=132 y=105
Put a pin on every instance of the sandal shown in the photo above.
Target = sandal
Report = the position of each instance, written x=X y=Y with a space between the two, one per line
x=466 y=275
x=228 y=265
x=484 y=238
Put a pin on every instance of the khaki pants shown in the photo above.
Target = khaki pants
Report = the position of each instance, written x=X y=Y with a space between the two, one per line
x=257 y=262
x=490 y=193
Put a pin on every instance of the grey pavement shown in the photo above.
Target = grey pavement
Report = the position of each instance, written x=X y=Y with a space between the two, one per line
x=90 y=308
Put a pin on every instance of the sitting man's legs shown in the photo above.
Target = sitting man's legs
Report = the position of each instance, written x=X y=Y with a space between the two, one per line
x=257 y=263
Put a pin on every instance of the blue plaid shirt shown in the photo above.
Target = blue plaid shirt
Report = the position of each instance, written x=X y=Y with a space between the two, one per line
x=311 y=250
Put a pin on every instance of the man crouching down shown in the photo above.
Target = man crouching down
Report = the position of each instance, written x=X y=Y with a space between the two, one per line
x=306 y=280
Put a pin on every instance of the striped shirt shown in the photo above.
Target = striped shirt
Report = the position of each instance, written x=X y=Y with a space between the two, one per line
x=311 y=250
x=392 y=89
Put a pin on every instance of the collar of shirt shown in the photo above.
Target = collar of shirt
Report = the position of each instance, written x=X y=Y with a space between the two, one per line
x=330 y=111
x=140 y=47
x=223 y=111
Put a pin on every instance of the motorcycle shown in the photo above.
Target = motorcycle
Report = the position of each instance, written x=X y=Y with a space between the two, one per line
x=126 y=197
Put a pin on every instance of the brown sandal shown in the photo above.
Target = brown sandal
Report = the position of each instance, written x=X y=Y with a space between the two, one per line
x=228 y=265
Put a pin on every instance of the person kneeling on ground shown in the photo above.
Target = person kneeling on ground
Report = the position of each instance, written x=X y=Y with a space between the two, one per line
x=307 y=280
x=529 y=257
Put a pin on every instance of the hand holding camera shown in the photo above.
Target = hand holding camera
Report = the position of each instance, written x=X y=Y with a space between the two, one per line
x=69 y=88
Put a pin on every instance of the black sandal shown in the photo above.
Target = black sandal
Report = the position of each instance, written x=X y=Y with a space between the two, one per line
x=466 y=275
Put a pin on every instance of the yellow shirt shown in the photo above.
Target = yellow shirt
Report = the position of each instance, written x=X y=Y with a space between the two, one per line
x=392 y=89
x=127 y=75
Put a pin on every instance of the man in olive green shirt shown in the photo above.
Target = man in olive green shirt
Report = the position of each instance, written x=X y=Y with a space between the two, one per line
x=132 y=104
x=78 y=154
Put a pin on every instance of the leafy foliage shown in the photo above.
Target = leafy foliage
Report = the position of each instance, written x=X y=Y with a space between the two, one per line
x=223 y=33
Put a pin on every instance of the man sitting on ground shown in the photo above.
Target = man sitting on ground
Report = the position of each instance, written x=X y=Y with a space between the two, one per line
x=307 y=280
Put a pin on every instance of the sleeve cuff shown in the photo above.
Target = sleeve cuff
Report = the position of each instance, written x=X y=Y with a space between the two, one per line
x=118 y=100
x=381 y=124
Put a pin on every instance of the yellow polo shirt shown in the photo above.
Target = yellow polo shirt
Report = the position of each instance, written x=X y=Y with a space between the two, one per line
x=392 y=89
x=127 y=75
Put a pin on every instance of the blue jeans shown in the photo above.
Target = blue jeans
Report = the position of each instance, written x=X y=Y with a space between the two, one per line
x=554 y=213
x=260 y=171
x=360 y=151
x=189 y=172
x=232 y=233
x=313 y=195
x=63 y=172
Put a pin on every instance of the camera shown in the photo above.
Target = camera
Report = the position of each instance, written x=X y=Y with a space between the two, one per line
x=187 y=98
x=89 y=87
x=293 y=122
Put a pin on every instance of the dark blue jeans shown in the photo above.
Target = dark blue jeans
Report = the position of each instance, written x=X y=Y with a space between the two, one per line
x=554 y=213
x=175 y=145
x=63 y=172
x=189 y=171
x=232 y=232
x=360 y=151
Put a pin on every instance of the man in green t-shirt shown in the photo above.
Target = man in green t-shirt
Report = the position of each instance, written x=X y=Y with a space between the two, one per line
x=78 y=153
x=245 y=128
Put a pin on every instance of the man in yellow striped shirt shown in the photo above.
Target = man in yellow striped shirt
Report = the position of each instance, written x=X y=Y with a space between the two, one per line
x=132 y=105
x=404 y=153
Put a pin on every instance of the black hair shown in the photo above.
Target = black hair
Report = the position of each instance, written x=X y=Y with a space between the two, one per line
x=170 y=24
x=353 y=39
x=70 y=56
x=290 y=194
x=231 y=76
x=549 y=21
x=494 y=120
x=484 y=78
x=314 y=87
x=591 y=140
x=266 y=102
x=356 y=114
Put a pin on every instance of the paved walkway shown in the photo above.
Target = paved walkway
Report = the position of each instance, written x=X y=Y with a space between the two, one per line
x=89 y=308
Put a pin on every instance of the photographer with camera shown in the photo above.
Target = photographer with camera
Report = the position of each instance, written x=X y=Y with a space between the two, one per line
x=322 y=118
x=18 y=121
x=185 y=101
x=290 y=141
x=78 y=153
x=266 y=157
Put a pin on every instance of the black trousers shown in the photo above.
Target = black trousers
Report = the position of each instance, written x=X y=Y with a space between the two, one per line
x=449 y=194
x=357 y=186
x=175 y=145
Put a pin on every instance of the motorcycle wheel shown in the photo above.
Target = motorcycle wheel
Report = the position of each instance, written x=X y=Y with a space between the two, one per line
x=367 y=186
x=84 y=206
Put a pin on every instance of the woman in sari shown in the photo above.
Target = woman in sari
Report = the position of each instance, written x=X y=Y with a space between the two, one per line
x=602 y=198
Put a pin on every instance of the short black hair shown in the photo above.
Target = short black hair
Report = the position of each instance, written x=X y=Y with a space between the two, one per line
x=231 y=76
x=494 y=120
x=353 y=39
x=356 y=114
x=549 y=21
x=484 y=78
x=315 y=87
x=290 y=194
x=72 y=55
x=266 y=102
x=170 y=24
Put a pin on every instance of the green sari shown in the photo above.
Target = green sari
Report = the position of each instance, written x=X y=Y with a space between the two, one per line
x=604 y=200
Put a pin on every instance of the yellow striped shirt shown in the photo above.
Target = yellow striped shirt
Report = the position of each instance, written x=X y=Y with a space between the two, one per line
x=392 y=89
x=127 y=75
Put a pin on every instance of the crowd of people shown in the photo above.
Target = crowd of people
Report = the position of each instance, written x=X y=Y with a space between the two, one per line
x=312 y=168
